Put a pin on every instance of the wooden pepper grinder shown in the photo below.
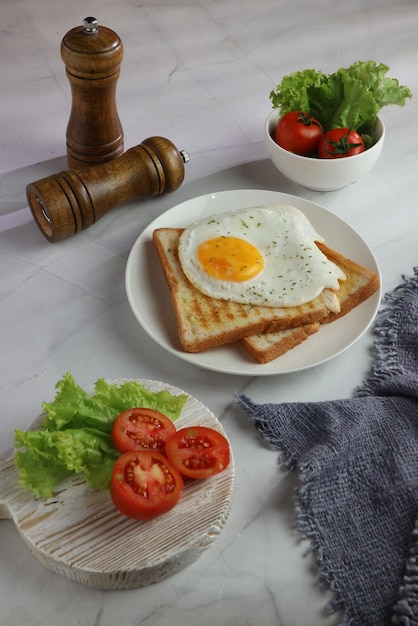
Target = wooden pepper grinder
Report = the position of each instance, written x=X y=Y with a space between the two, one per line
x=66 y=203
x=92 y=55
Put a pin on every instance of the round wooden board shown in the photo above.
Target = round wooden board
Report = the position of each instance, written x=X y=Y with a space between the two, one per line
x=79 y=533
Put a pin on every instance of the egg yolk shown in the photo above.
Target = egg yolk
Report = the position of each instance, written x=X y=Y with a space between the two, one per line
x=230 y=258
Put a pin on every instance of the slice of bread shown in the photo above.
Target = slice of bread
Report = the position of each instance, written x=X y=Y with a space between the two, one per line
x=266 y=347
x=359 y=285
x=204 y=322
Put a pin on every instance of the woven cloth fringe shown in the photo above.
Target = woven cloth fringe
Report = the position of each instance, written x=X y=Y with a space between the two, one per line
x=387 y=324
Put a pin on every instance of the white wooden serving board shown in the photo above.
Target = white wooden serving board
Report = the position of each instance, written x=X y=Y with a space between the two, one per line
x=79 y=533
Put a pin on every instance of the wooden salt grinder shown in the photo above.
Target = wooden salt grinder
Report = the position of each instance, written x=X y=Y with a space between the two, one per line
x=64 y=204
x=92 y=55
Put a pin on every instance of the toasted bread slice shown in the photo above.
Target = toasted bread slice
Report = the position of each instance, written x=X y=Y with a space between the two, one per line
x=266 y=347
x=204 y=322
x=360 y=284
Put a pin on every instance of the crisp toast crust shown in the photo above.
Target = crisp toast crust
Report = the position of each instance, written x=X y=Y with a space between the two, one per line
x=360 y=283
x=204 y=322
x=266 y=347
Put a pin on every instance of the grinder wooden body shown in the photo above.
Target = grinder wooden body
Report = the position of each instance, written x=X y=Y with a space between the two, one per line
x=92 y=55
x=63 y=204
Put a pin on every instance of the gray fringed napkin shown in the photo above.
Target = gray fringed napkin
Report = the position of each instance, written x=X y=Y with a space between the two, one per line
x=357 y=463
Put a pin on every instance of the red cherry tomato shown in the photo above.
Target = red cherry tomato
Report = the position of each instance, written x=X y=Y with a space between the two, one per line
x=298 y=132
x=198 y=452
x=145 y=485
x=141 y=428
x=340 y=142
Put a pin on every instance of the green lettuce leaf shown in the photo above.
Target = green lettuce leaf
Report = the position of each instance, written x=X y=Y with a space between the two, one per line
x=385 y=90
x=76 y=433
x=73 y=407
x=292 y=94
x=131 y=394
x=50 y=456
x=344 y=102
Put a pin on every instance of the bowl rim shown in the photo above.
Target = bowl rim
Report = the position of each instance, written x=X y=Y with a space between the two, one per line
x=379 y=130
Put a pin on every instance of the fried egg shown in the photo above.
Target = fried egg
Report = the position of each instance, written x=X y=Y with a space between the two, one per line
x=262 y=256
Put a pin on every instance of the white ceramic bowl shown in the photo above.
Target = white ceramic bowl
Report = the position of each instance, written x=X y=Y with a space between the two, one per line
x=322 y=174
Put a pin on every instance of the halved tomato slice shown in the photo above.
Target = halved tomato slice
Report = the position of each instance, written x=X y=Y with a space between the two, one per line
x=198 y=451
x=141 y=428
x=145 y=485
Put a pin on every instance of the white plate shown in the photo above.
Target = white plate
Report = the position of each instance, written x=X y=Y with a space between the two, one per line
x=79 y=533
x=150 y=300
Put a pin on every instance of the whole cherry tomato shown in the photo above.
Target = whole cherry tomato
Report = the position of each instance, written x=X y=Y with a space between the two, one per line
x=141 y=428
x=198 y=451
x=298 y=132
x=340 y=142
x=145 y=485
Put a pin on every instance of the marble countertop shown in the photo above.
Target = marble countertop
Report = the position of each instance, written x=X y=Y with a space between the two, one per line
x=199 y=73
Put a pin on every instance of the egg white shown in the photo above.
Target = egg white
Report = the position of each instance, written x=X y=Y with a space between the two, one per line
x=295 y=270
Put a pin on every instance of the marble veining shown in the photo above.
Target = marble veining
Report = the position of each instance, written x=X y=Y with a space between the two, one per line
x=198 y=72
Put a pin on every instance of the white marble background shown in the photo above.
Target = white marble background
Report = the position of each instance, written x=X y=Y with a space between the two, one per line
x=199 y=73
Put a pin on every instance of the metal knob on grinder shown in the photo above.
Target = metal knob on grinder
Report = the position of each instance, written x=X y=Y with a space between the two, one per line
x=63 y=204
